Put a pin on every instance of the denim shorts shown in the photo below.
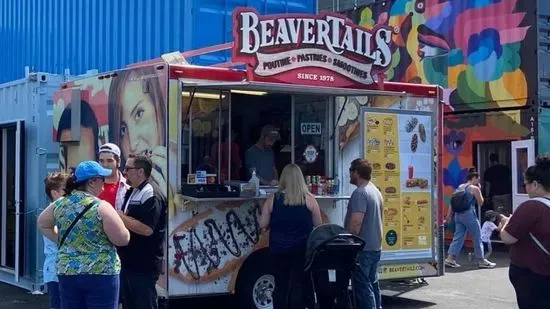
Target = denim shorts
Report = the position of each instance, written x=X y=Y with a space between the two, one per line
x=89 y=291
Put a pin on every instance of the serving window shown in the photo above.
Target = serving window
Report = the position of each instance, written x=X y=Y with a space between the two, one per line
x=221 y=133
x=312 y=130
x=203 y=118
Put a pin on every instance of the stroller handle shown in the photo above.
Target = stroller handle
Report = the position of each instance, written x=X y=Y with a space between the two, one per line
x=349 y=235
x=344 y=239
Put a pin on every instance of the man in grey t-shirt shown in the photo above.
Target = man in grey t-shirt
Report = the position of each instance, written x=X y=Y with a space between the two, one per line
x=364 y=219
x=261 y=157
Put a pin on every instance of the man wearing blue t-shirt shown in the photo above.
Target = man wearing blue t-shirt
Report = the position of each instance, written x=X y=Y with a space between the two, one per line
x=261 y=157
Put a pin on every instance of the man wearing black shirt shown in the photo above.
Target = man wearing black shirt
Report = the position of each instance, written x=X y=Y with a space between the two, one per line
x=144 y=214
x=498 y=179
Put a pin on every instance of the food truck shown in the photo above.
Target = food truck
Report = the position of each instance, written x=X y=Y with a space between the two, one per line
x=318 y=81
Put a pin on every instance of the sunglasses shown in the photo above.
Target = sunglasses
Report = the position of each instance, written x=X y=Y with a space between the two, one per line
x=99 y=178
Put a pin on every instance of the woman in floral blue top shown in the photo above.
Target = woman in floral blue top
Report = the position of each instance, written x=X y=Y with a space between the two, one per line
x=88 y=266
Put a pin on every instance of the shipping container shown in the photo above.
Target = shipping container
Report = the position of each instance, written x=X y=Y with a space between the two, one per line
x=543 y=37
x=544 y=131
x=52 y=36
x=27 y=154
x=493 y=60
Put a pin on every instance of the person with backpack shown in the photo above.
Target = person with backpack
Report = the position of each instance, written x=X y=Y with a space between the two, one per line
x=528 y=235
x=463 y=203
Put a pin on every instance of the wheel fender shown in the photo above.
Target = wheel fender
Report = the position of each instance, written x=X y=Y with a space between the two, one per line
x=262 y=245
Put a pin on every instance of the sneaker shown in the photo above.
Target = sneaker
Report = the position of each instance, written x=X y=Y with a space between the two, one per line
x=486 y=264
x=452 y=263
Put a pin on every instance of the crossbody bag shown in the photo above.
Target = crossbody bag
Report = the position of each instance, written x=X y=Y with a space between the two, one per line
x=546 y=202
x=69 y=229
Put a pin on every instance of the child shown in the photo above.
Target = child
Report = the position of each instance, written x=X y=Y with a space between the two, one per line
x=489 y=226
x=55 y=189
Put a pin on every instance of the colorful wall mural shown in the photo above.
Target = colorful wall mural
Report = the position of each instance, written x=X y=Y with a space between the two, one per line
x=482 y=52
x=478 y=50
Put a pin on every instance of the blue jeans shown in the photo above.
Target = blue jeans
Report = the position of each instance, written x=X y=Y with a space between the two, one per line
x=466 y=222
x=365 y=281
x=53 y=295
x=89 y=291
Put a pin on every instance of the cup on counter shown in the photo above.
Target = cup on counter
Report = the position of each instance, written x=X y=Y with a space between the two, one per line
x=211 y=179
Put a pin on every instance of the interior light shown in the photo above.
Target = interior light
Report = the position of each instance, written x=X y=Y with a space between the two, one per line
x=203 y=95
x=249 y=92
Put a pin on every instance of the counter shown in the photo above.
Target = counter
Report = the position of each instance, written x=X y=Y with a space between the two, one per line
x=261 y=197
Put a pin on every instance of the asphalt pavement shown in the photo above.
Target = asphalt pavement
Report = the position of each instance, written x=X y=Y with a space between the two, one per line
x=465 y=287
x=15 y=298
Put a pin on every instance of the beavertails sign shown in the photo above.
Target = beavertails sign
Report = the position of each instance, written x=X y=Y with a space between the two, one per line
x=321 y=50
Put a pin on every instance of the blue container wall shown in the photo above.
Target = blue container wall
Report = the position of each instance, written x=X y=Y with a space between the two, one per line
x=51 y=36
x=31 y=100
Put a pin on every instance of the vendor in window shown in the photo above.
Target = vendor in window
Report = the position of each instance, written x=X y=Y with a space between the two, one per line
x=228 y=145
x=261 y=157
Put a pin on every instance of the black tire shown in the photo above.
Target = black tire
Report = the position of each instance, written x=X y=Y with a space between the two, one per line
x=255 y=282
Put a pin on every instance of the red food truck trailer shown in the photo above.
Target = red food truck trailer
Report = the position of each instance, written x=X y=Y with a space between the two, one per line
x=317 y=79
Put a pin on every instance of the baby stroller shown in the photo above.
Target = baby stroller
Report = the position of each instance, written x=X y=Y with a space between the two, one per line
x=331 y=255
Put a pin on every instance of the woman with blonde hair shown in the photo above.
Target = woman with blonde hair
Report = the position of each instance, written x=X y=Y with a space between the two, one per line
x=290 y=215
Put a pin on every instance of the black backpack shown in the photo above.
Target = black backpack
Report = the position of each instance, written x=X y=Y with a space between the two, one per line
x=460 y=201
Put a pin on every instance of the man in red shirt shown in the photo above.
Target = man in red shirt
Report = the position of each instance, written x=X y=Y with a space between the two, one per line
x=115 y=185
x=529 y=236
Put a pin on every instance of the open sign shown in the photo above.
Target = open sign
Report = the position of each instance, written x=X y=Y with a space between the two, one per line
x=310 y=128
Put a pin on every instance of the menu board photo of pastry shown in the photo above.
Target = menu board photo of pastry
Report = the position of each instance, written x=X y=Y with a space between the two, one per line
x=416 y=173
x=415 y=145
x=415 y=134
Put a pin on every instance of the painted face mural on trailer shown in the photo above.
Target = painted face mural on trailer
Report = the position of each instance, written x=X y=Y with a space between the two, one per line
x=479 y=51
x=127 y=108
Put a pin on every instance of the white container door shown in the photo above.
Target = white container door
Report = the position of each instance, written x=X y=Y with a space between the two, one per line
x=523 y=156
x=11 y=204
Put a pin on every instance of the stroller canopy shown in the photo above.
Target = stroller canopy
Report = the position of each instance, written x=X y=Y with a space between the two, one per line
x=323 y=234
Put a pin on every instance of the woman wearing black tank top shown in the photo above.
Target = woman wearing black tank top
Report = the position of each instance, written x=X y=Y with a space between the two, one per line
x=290 y=215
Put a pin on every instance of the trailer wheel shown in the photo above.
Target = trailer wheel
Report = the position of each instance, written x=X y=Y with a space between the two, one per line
x=255 y=283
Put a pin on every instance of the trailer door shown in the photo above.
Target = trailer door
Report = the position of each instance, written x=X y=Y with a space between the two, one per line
x=11 y=204
x=523 y=156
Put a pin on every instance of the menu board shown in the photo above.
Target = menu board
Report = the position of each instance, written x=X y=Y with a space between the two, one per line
x=398 y=145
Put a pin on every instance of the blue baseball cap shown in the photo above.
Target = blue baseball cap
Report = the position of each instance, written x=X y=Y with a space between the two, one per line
x=90 y=169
